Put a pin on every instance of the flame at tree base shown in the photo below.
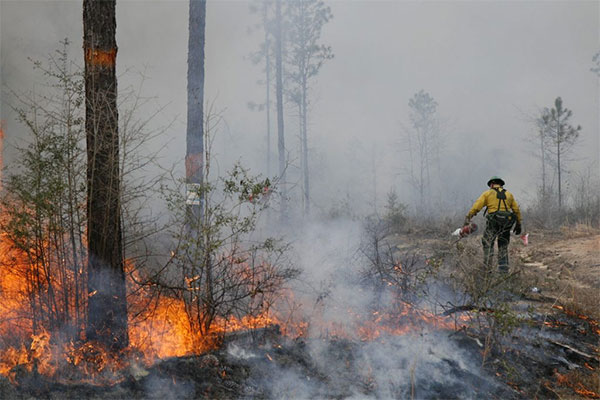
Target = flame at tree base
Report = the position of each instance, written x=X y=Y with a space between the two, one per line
x=164 y=332
x=159 y=328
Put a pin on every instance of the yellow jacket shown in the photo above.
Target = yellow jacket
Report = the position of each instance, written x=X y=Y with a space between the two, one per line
x=488 y=199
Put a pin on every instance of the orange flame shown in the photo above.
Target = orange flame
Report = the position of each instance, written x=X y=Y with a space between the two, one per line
x=578 y=387
x=159 y=329
x=594 y=325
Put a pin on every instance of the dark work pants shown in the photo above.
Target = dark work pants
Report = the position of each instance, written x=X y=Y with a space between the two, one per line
x=492 y=232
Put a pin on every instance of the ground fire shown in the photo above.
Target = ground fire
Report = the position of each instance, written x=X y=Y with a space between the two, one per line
x=158 y=332
x=163 y=346
x=299 y=199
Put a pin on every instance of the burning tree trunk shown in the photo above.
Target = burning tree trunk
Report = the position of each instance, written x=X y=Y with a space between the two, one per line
x=107 y=307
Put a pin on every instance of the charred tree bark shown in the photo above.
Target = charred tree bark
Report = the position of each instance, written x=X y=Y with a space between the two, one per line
x=107 y=304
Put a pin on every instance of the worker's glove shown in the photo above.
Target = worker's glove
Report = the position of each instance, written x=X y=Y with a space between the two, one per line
x=467 y=221
x=517 y=229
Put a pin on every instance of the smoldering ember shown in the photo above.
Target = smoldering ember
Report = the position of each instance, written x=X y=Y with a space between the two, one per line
x=299 y=199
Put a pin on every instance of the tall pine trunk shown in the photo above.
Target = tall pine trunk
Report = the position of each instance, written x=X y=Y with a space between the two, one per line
x=107 y=304
x=268 y=88
x=543 y=153
x=559 y=169
x=305 y=146
x=279 y=94
x=194 y=158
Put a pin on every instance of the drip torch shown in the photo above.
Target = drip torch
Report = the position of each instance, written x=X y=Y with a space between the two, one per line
x=465 y=230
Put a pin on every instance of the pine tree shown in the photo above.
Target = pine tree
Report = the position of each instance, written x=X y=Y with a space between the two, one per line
x=107 y=304
x=555 y=122
x=306 y=56
x=279 y=97
x=194 y=159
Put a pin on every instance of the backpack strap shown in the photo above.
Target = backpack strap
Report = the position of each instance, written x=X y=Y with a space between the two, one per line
x=501 y=196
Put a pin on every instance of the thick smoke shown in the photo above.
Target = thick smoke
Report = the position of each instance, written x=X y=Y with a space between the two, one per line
x=361 y=96
x=422 y=364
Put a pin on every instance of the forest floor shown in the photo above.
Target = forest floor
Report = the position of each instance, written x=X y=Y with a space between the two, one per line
x=565 y=268
x=566 y=265
x=551 y=351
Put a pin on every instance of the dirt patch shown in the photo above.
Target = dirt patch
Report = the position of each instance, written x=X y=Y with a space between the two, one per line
x=565 y=267
x=575 y=259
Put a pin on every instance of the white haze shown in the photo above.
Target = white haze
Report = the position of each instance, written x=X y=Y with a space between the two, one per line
x=487 y=64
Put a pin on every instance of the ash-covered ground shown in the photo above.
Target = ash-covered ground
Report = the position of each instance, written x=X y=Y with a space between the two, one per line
x=264 y=364
x=550 y=352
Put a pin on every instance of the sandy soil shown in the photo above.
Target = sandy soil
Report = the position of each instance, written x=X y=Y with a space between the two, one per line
x=569 y=260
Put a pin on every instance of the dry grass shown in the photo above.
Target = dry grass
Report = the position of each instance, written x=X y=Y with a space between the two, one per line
x=581 y=384
x=578 y=230
x=581 y=300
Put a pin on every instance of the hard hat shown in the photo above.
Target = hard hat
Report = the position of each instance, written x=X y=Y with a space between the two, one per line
x=496 y=179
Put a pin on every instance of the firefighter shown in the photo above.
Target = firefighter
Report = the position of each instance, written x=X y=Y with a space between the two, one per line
x=502 y=213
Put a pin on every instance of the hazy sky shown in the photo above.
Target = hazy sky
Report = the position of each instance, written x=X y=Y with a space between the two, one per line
x=486 y=63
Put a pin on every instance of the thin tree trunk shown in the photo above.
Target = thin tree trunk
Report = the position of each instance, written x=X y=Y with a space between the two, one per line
x=195 y=162
x=543 y=165
x=559 y=175
x=268 y=85
x=301 y=137
x=374 y=170
x=107 y=303
x=421 y=172
x=279 y=90
x=194 y=159
x=305 y=147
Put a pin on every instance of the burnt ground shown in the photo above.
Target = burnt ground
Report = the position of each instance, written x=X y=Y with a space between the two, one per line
x=269 y=366
x=551 y=350
x=558 y=346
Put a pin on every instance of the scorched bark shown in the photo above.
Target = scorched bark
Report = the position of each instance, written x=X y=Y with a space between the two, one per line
x=107 y=308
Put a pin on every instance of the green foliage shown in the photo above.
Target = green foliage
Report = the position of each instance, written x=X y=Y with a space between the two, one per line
x=423 y=145
x=506 y=319
x=395 y=212
x=486 y=295
x=556 y=127
x=423 y=108
x=45 y=193
x=305 y=20
x=44 y=198
x=225 y=269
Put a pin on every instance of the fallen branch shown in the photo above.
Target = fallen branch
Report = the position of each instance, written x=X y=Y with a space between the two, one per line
x=578 y=352
x=468 y=307
x=540 y=298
